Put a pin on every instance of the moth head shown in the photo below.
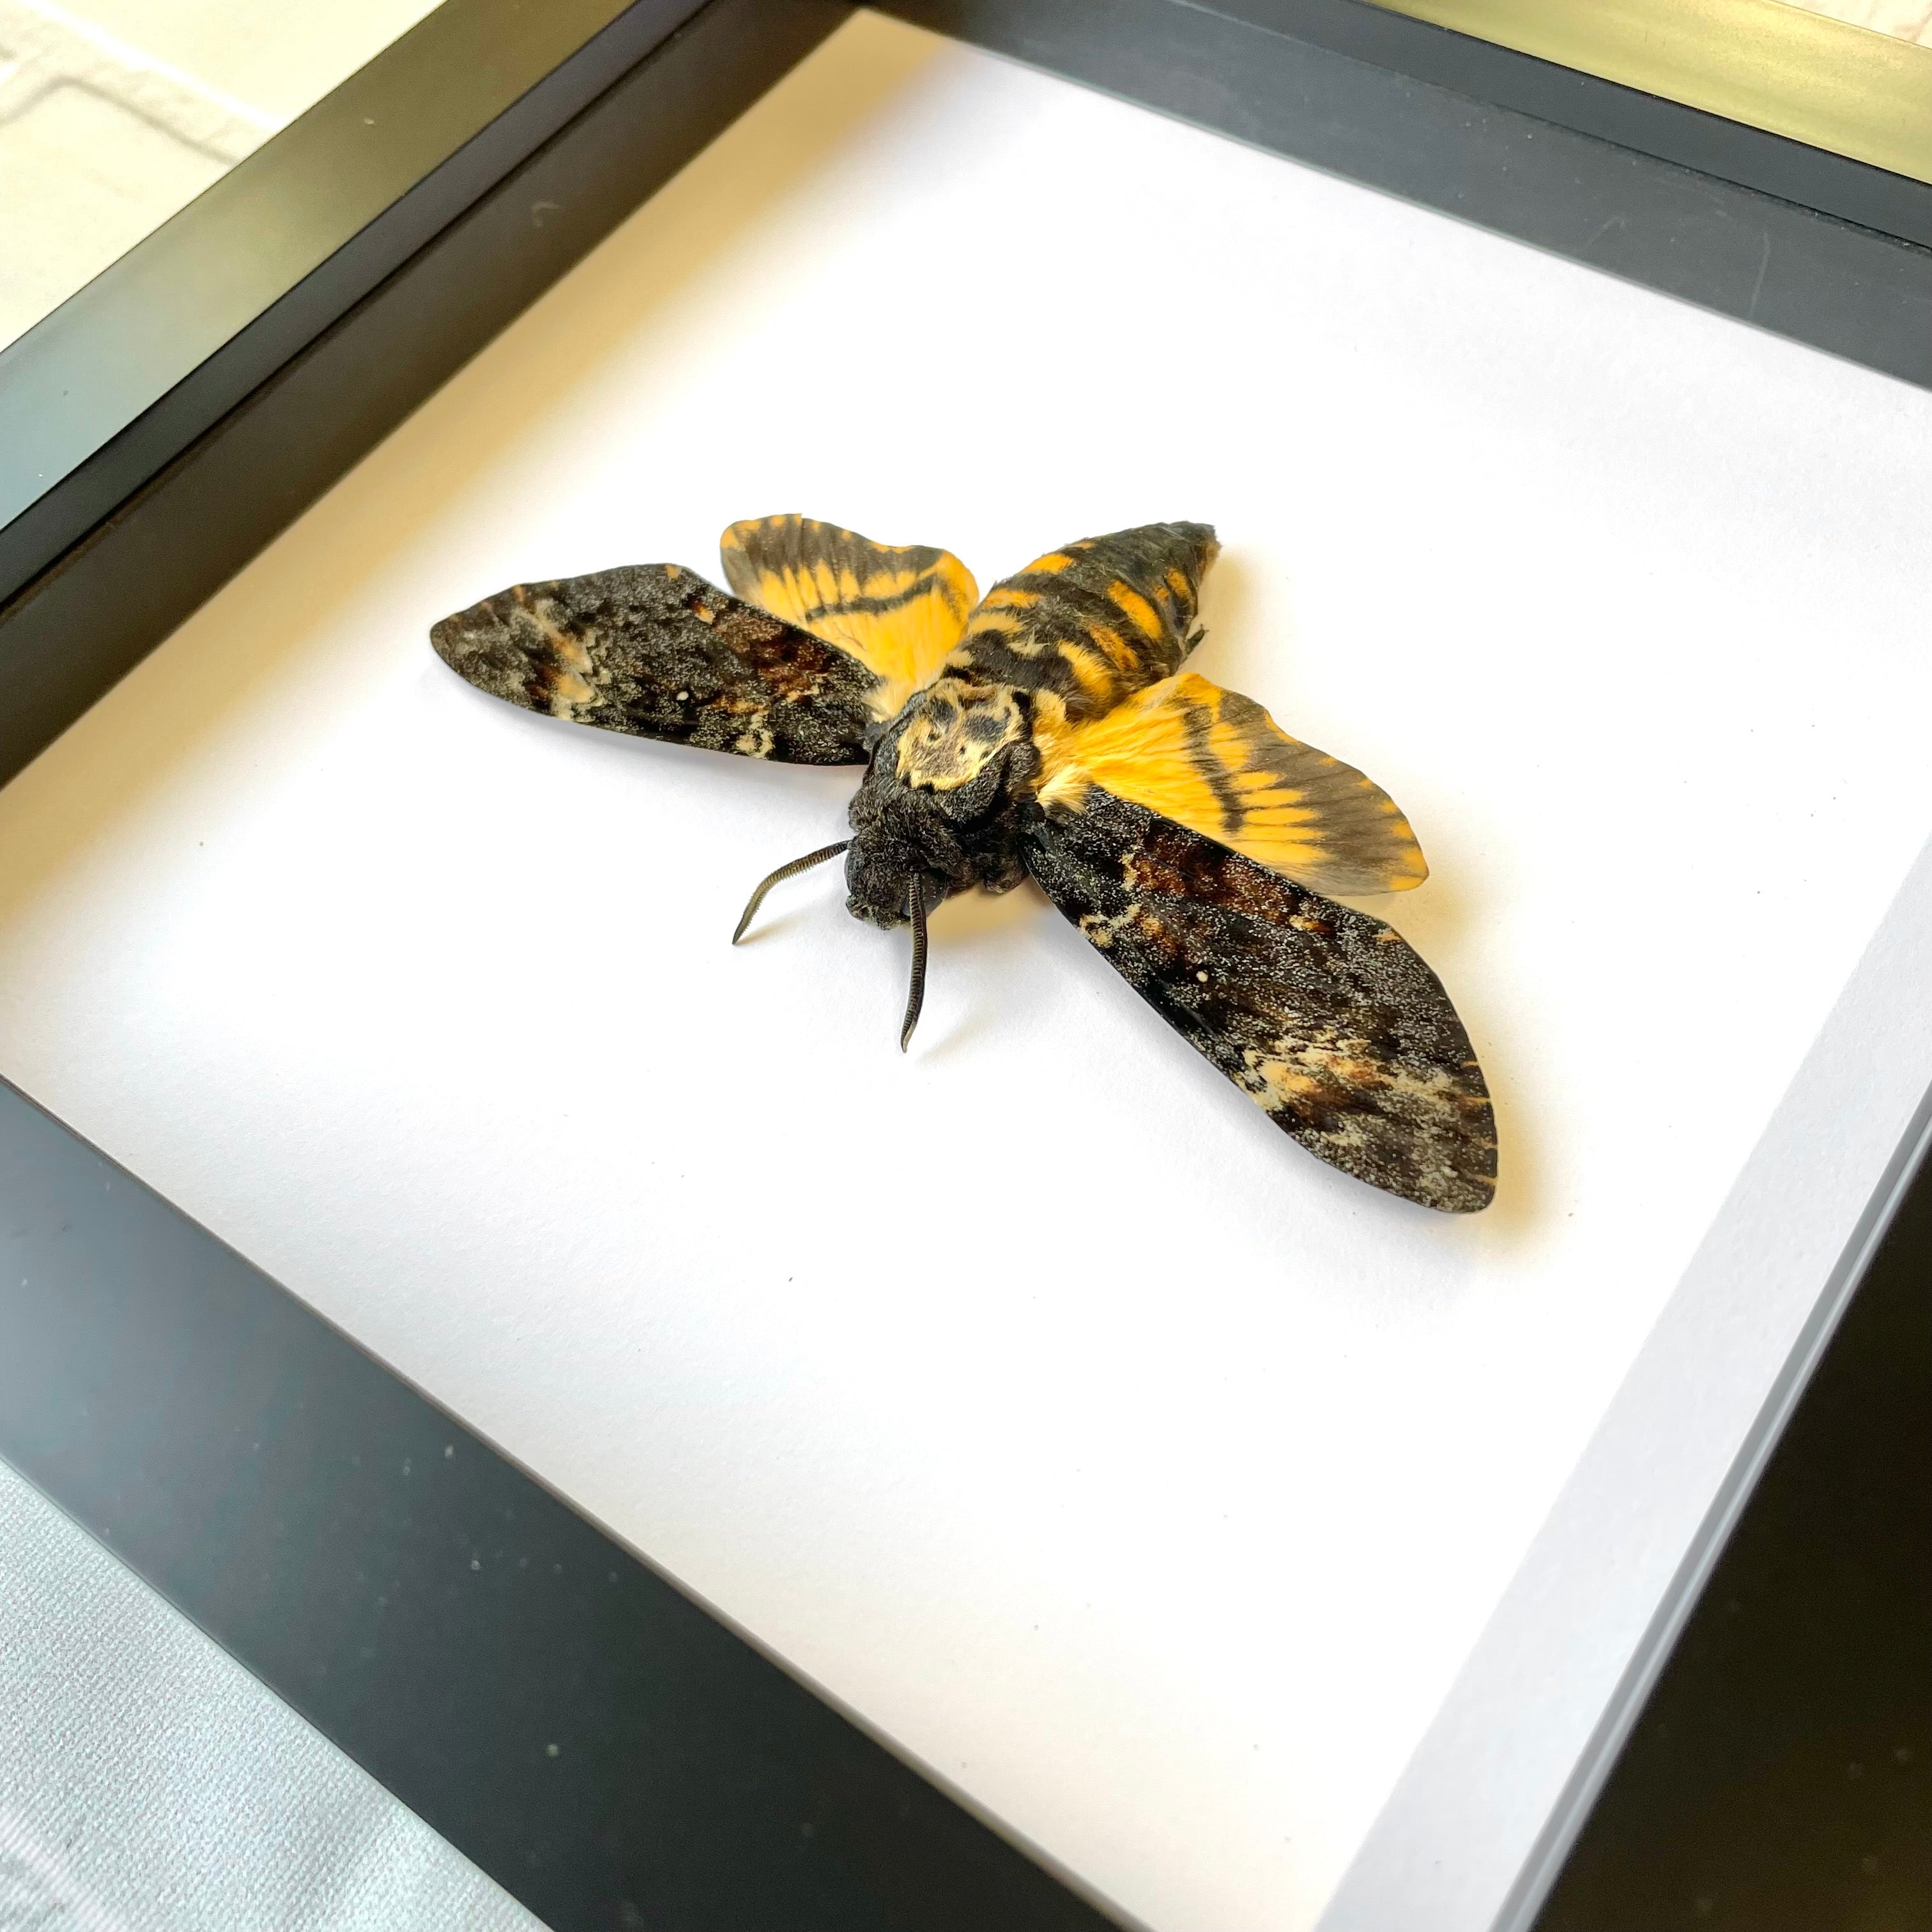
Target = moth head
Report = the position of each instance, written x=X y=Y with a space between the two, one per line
x=878 y=881
x=901 y=833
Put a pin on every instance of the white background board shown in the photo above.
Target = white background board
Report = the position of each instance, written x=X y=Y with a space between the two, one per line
x=1147 y=1479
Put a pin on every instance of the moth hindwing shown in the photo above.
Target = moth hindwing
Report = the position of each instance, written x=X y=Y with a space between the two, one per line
x=899 y=609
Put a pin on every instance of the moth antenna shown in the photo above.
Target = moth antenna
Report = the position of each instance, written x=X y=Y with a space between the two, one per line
x=779 y=878
x=916 y=998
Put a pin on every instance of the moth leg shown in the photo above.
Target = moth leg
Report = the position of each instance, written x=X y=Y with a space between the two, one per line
x=777 y=878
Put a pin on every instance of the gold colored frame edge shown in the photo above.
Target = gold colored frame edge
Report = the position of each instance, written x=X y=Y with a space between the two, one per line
x=1770 y=65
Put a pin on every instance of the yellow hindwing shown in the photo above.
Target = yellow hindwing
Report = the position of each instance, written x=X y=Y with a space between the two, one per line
x=1215 y=762
x=899 y=610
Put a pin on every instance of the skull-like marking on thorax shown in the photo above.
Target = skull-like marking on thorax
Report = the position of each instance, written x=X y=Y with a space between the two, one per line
x=954 y=730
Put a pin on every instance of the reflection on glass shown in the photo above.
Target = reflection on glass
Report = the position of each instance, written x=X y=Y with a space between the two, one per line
x=116 y=113
x=1908 y=19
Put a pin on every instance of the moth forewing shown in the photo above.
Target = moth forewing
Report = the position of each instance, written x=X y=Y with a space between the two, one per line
x=654 y=651
x=1325 y=1017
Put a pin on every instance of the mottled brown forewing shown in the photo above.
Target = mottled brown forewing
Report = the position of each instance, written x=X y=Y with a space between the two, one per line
x=655 y=651
x=1325 y=1016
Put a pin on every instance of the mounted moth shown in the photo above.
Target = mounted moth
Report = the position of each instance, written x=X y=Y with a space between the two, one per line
x=1048 y=730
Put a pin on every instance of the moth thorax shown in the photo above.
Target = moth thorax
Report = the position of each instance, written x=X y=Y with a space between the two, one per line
x=954 y=730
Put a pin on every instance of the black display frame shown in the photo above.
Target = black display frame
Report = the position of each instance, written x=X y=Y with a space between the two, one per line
x=251 y=1462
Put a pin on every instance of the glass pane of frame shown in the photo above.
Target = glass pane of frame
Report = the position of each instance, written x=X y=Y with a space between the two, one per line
x=115 y=114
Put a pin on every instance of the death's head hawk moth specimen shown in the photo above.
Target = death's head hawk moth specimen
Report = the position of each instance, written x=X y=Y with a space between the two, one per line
x=1047 y=730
